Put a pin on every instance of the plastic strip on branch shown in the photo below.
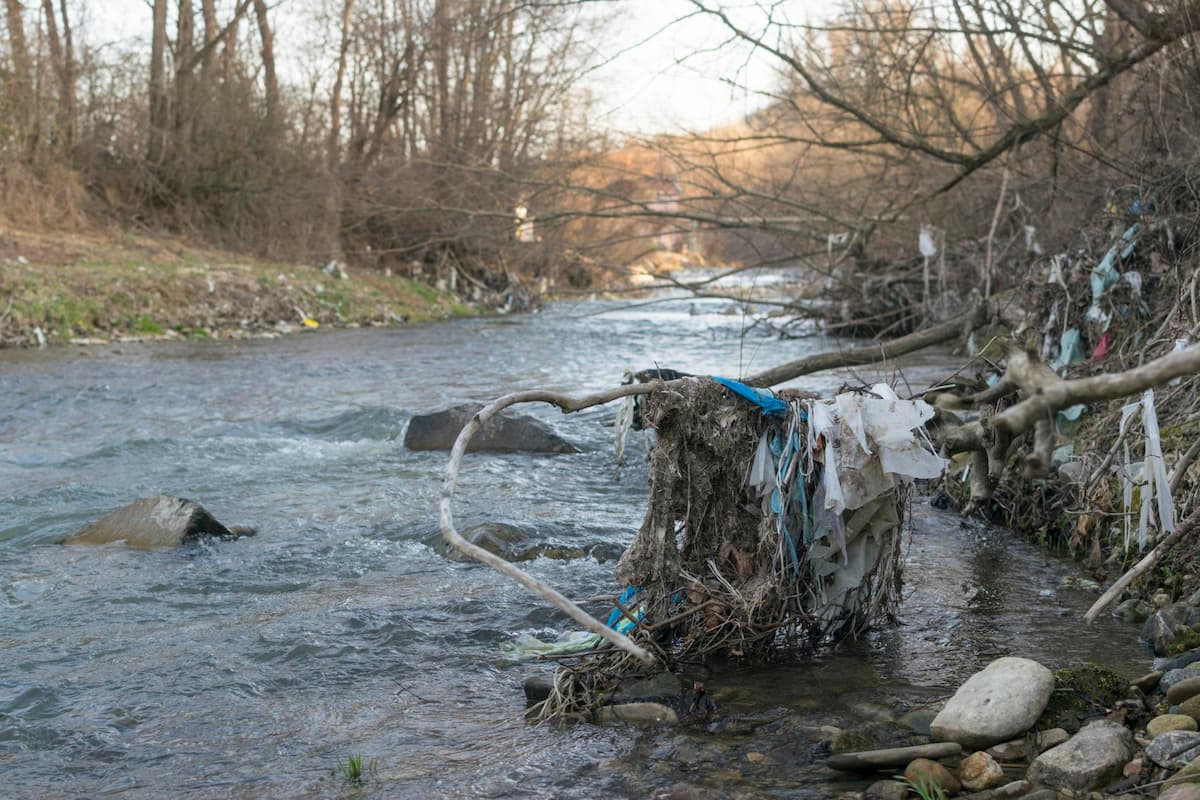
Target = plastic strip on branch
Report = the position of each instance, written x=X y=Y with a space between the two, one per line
x=455 y=540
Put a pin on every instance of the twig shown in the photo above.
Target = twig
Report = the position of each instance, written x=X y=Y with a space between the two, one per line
x=1141 y=567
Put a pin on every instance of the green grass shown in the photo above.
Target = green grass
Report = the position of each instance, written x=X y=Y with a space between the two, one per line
x=422 y=290
x=926 y=790
x=146 y=325
x=355 y=770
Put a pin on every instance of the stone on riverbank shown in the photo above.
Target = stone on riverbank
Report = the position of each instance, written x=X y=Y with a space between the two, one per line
x=1183 y=690
x=1167 y=626
x=1174 y=749
x=1191 y=707
x=1189 y=774
x=996 y=704
x=156 y=522
x=926 y=771
x=980 y=771
x=1091 y=758
x=1169 y=722
x=504 y=433
x=1183 y=791
x=871 y=760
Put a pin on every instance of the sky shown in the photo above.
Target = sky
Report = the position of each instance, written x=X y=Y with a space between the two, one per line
x=667 y=72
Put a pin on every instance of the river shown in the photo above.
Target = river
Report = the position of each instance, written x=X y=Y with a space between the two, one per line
x=253 y=668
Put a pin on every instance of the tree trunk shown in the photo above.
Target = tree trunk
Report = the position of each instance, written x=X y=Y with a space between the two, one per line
x=268 y=60
x=333 y=189
x=20 y=87
x=159 y=108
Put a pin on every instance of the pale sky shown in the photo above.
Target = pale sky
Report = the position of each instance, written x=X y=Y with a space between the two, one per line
x=665 y=74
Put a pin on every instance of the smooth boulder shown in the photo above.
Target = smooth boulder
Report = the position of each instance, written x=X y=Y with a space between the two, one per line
x=156 y=522
x=997 y=704
x=503 y=433
x=1089 y=759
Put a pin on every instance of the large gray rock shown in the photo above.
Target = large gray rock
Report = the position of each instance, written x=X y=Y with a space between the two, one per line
x=871 y=760
x=156 y=522
x=1174 y=749
x=1091 y=758
x=996 y=704
x=504 y=433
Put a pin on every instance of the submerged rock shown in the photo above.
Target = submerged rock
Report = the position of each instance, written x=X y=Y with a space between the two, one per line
x=1091 y=758
x=638 y=714
x=156 y=522
x=504 y=433
x=515 y=543
x=996 y=704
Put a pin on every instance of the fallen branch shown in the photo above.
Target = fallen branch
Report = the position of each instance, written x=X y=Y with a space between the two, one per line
x=1146 y=564
x=455 y=540
x=872 y=353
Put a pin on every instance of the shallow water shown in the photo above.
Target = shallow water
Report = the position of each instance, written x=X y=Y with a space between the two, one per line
x=252 y=668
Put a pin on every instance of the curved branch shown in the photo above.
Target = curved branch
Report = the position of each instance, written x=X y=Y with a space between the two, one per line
x=450 y=480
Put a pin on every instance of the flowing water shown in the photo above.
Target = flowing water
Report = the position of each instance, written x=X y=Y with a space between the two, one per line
x=251 y=669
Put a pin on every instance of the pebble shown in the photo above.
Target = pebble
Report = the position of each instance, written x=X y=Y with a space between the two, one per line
x=1191 y=707
x=1169 y=722
x=980 y=771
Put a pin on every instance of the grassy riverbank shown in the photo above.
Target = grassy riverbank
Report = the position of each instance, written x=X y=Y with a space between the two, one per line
x=91 y=287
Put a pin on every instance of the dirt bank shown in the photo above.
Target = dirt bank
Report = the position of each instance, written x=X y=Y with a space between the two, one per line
x=91 y=287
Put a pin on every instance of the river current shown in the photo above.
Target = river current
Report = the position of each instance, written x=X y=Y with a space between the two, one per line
x=253 y=668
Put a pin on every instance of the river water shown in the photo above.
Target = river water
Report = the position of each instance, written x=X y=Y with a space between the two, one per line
x=252 y=669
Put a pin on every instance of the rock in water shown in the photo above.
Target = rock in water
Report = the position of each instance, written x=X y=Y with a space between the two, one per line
x=871 y=760
x=156 y=522
x=996 y=704
x=1091 y=758
x=504 y=433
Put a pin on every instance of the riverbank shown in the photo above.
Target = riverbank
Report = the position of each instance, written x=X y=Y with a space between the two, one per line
x=94 y=287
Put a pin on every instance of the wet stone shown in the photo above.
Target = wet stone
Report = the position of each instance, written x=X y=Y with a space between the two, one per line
x=1172 y=677
x=871 y=760
x=638 y=714
x=1148 y=682
x=1189 y=774
x=1191 y=707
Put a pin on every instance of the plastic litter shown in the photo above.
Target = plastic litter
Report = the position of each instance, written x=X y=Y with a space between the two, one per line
x=1070 y=350
x=1149 y=478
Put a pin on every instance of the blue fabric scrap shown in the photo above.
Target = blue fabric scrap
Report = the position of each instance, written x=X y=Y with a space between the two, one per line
x=771 y=405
